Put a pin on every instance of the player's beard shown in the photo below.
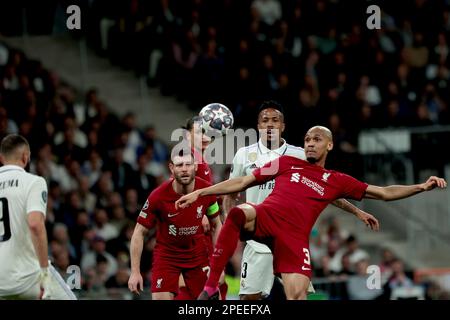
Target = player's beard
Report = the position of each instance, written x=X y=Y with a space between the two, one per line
x=183 y=182
x=311 y=160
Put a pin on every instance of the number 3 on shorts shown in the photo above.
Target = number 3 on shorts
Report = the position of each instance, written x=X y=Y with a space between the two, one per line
x=307 y=260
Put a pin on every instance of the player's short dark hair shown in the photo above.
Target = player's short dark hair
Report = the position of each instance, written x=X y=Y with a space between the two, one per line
x=271 y=104
x=191 y=121
x=180 y=151
x=11 y=142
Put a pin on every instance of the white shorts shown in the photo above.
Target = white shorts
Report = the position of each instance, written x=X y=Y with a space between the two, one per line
x=60 y=290
x=257 y=270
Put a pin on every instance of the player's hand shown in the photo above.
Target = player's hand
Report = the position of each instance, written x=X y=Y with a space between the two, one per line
x=187 y=200
x=206 y=225
x=434 y=182
x=136 y=283
x=369 y=220
x=45 y=283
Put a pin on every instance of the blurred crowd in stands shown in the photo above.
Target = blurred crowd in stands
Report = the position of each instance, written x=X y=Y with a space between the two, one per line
x=314 y=56
x=351 y=272
x=99 y=168
x=317 y=58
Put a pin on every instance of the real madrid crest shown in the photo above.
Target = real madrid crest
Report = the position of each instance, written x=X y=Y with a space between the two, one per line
x=252 y=156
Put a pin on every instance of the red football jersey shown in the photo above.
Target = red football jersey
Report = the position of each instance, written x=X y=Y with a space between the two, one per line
x=203 y=169
x=179 y=234
x=303 y=190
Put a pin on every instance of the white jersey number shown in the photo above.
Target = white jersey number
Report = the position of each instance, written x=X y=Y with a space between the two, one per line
x=4 y=220
x=308 y=258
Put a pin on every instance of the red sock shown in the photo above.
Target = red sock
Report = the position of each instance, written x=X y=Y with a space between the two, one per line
x=223 y=291
x=225 y=245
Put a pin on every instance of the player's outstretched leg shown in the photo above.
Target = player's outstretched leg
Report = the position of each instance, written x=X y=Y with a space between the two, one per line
x=295 y=285
x=225 y=247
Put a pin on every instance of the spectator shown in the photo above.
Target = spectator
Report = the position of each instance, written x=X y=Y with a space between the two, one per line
x=132 y=205
x=357 y=287
x=98 y=255
x=134 y=142
x=121 y=171
x=88 y=198
x=103 y=228
x=269 y=10
x=60 y=235
x=398 y=279
x=160 y=150
x=144 y=182
x=92 y=167
x=387 y=257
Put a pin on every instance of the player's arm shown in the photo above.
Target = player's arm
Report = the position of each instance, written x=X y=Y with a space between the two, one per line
x=216 y=226
x=36 y=208
x=396 y=192
x=135 y=283
x=36 y=224
x=213 y=215
x=226 y=187
x=38 y=232
x=365 y=217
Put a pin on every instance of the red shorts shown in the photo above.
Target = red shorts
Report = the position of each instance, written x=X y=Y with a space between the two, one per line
x=289 y=247
x=165 y=276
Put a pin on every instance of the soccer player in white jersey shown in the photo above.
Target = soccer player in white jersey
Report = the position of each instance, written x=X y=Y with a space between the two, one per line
x=25 y=272
x=257 y=276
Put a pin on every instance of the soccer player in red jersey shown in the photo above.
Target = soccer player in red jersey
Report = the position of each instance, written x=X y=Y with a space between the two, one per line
x=199 y=141
x=180 y=241
x=285 y=218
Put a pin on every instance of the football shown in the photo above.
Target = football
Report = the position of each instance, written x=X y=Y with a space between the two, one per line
x=217 y=119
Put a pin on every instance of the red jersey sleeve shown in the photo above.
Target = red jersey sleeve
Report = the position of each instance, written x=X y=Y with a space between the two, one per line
x=270 y=170
x=147 y=216
x=351 y=187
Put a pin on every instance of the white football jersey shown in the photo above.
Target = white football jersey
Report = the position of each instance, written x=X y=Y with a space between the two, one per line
x=20 y=193
x=255 y=156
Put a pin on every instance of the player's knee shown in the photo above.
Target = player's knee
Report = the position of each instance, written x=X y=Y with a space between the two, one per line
x=251 y=297
x=296 y=294
x=237 y=216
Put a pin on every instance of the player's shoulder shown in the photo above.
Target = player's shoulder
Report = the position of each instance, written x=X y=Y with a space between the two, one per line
x=338 y=174
x=291 y=147
x=295 y=151
x=288 y=157
x=201 y=183
x=247 y=149
x=160 y=190
x=289 y=160
x=30 y=178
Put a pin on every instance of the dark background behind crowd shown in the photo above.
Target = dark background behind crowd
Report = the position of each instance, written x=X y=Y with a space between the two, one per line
x=316 y=57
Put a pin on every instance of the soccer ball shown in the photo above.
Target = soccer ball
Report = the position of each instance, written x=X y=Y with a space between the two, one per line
x=216 y=118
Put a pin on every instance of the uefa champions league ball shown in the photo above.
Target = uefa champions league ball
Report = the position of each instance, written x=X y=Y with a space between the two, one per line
x=216 y=118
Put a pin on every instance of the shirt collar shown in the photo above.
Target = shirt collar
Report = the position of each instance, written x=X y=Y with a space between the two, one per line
x=263 y=149
x=11 y=167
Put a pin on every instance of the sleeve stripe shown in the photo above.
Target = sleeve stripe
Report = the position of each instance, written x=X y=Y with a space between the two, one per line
x=213 y=209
